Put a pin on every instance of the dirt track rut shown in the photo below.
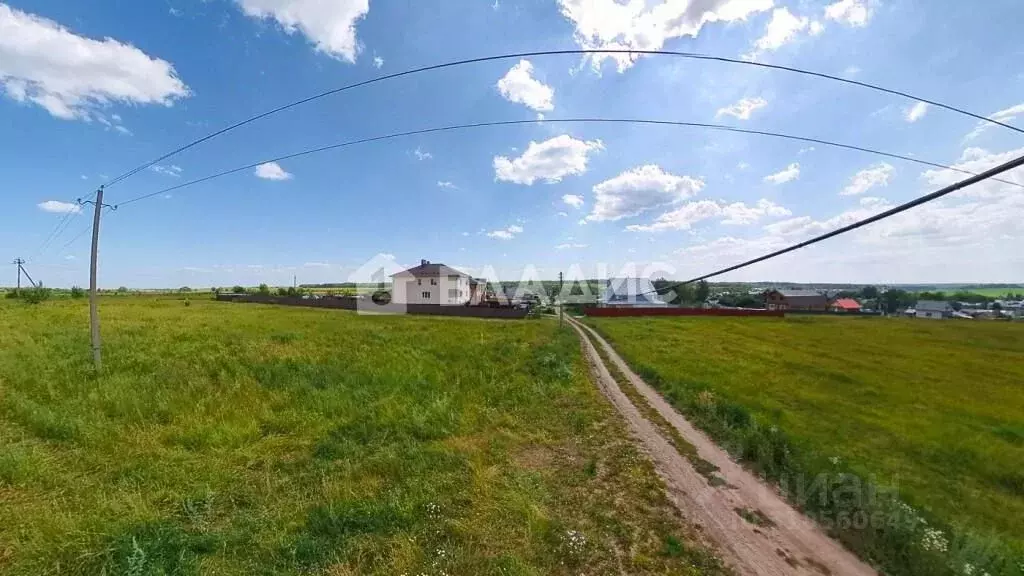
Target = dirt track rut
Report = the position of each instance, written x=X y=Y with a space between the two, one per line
x=781 y=541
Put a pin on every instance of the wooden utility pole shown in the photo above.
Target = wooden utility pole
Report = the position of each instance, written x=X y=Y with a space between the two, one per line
x=94 y=316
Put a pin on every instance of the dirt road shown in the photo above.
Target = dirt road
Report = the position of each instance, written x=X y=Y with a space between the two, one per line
x=754 y=530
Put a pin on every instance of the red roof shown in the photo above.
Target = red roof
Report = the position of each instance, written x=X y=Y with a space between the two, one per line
x=846 y=304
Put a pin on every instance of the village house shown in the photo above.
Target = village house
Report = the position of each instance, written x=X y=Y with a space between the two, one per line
x=630 y=293
x=795 y=299
x=844 y=305
x=935 y=309
x=438 y=284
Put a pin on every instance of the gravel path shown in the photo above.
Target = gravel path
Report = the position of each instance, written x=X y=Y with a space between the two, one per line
x=770 y=538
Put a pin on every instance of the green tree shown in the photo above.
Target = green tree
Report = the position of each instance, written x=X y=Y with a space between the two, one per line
x=184 y=290
x=869 y=292
x=264 y=290
x=122 y=290
x=77 y=292
x=282 y=292
x=702 y=291
x=238 y=290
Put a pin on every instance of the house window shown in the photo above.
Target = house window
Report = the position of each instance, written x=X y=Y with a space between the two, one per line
x=419 y=282
x=433 y=281
x=425 y=295
x=453 y=293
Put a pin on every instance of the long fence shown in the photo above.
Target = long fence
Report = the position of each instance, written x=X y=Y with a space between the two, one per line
x=672 y=311
x=364 y=305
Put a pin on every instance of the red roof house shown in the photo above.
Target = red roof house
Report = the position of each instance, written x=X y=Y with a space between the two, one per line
x=845 y=305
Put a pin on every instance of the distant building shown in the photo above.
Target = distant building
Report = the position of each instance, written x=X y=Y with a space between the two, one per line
x=936 y=309
x=795 y=299
x=431 y=283
x=630 y=293
x=844 y=305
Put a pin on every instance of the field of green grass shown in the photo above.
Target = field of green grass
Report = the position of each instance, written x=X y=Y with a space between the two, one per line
x=934 y=409
x=243 y=439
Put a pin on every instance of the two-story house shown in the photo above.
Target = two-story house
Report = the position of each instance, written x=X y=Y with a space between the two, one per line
x=431 y=283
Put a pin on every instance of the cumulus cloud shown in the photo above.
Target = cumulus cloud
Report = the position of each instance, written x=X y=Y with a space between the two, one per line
x=790 y=173
x=850 y=12
x=877 y=175
x=330 y=26
x=639 y=190
x=739 y=213
x=681 y=218
x=506 y=233
x=378 y=62
x=519 y=86
x=573 y=200
x=58 y=207
x=272 y=171
x=550 y=160
x=915 y=112
x=74 y=77
x=421 y=154
x=978 y=160
x=446 y=184
x=570 y=246
x=612 y=24
x=742 y=109
x=784 y=27
x=1006 y=115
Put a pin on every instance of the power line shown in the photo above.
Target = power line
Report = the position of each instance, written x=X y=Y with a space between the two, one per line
x=59 y=229
x=550 y=121
x=689 y=55
x=1015 y=163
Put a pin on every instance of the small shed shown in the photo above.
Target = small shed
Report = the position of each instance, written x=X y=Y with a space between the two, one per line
x=934 y=309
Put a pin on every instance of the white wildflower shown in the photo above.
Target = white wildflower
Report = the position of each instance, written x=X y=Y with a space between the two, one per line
x=934 y=540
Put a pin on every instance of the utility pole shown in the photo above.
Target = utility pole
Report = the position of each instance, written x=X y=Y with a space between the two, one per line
x=561 y=303
x=18 y=262
x=94 y=315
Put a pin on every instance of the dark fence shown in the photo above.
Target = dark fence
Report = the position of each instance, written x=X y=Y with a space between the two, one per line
x=624 y=312
x=365 y=305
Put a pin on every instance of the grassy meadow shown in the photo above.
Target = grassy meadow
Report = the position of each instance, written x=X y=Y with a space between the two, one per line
x=242 y=439
x=933 y=409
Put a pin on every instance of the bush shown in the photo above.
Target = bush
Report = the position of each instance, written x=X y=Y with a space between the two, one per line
x=381 y=297
x=184 y=290
x=264 y=290
x=238 y=290
x=77 y=292
x=12 y=294
x=282 y=292
x=36 y=295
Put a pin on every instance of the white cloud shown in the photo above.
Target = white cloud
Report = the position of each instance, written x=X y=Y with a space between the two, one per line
x=743 y=166
x=640 y=189
x=739 y=213
x=781 y=29
x=570 y=246
x=612 y=24
x=868 y=178
x=1004 y=116
x=978 y=160
x=330 y=26
x=816 y=28
x=806 y=150
x=58 y=207
x=72 y=76
x=446 y=184
x=742 y=109
x=915 y=112
x=790 y=173
x=506 y=233
x=852 y=71
x=170 y=170
x=573 y=200
x=316 y=265
x=422 y=155
x=272 y=171
x=681 y=218
x=850 y=12
x=519 y=86
x=378 y=62
x=550 y=160
x=802 y=226
x=563 y=214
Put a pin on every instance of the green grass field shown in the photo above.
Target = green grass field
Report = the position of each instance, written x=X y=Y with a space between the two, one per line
x=933 y=408
x=242 y=439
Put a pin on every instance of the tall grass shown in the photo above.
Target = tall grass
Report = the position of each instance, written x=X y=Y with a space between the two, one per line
x=901 y=437
x=240 y=439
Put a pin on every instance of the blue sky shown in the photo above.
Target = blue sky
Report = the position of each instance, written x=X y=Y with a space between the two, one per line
x=89 y=90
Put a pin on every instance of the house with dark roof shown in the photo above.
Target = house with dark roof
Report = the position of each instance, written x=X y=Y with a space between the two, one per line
x=431 y=283
x=795 y=299
x=935 y=309
x=630 y=293
x=844 y=305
